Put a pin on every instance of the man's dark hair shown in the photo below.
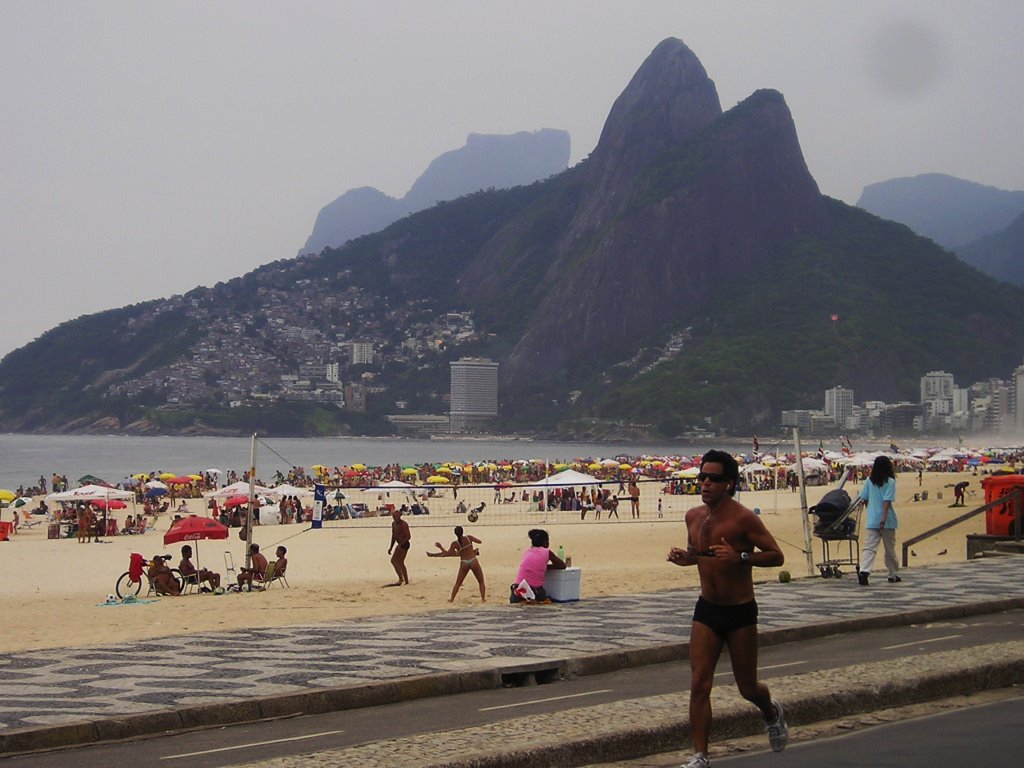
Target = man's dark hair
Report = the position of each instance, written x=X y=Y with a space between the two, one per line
x=730 y=468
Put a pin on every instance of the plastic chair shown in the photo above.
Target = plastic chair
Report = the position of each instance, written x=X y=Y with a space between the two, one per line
x=189 y=583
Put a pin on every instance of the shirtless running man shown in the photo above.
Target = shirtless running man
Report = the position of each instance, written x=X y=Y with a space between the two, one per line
x=725 y=540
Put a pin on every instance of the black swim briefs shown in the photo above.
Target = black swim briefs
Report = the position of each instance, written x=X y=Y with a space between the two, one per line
x=725 y=619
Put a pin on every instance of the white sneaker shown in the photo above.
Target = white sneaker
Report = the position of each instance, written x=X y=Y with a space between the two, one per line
x=697 y=761
x=778 y=731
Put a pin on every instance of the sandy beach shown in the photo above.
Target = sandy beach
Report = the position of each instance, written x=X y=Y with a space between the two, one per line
x=52 y=587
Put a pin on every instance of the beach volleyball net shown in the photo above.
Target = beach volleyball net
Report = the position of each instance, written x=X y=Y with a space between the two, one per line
x=506 y=504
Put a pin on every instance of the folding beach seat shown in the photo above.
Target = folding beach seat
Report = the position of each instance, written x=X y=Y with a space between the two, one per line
x=273 y=576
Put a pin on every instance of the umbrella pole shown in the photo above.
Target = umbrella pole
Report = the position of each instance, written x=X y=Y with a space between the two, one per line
x=252 y=503
x=808 y=550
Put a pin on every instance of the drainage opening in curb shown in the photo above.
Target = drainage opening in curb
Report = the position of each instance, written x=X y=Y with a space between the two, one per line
x=526 y=677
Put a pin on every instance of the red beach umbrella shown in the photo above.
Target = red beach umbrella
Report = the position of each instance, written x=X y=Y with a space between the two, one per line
x=194 y=528
x=112 y=504
x=236 y=501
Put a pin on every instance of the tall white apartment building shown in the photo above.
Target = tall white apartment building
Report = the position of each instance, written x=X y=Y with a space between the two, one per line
x=839 y=405
x=362 y=353
x=474 y=394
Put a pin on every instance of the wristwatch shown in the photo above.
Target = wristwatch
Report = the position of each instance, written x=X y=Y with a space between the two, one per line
x=744 y=556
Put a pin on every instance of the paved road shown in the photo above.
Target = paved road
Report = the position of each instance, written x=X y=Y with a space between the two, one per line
x=294 y=736
x=989 y=735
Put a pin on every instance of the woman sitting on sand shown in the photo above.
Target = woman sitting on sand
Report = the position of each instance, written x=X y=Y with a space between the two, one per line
x=464 y=547
x=536 y=562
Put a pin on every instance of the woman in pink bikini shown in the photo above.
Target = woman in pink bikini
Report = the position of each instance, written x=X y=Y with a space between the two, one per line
x=464 y=547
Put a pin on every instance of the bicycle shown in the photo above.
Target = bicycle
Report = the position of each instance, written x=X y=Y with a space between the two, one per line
x=127 y=586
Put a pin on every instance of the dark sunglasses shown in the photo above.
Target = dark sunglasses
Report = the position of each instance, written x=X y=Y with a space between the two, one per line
x=714 y=477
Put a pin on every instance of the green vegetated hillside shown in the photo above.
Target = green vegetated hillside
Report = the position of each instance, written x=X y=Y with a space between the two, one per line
x=766 y=341
x=57 y=381
x=57 y=377
x=1000 y=254
x=904 y=307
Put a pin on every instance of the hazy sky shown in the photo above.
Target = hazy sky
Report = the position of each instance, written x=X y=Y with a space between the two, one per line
x=148 y=148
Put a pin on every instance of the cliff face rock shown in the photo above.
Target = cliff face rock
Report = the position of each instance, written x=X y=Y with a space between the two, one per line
x=950 y=211
x=485 y=162
x=668 y=100
x=677 y=200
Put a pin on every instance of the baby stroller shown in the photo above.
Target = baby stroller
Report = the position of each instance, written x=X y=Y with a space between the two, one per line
x=838 y=520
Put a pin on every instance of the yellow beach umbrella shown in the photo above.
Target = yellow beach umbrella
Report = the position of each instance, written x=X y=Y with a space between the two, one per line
x=358 y=467
x=410 y=471
x=445 y=470
x=167 y=475
x=438 y=479
x=625 y=466
x=6 y=495
x=140 y=476
x=594 y=466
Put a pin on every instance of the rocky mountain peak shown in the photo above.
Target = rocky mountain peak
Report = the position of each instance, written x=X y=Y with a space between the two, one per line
x=669 y=99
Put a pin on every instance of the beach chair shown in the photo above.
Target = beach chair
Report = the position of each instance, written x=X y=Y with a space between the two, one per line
x=190 y=583
x=272 y=576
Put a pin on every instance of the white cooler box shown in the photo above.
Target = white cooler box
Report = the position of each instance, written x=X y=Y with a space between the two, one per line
x=563 y=586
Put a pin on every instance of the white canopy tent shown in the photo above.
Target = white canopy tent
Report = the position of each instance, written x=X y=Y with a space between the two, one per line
x=241 y=488
x=566 y=478
x=91 y=493
x=811 y=465
x=392 y=484
x=286 y=489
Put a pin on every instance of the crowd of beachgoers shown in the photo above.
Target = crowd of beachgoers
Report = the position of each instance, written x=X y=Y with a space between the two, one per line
x=760 y=470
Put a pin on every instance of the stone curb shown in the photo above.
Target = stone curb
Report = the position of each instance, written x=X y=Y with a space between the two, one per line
x=438 y=684
x=635 y=728
x=634 y=741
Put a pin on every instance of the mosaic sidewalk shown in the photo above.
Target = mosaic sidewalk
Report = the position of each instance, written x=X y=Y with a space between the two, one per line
x=64 y=685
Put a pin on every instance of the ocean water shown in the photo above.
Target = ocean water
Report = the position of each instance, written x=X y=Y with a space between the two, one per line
x=23 y=458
